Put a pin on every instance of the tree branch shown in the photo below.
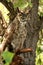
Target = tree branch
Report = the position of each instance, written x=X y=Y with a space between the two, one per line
x=9 y=6
x=8 y=36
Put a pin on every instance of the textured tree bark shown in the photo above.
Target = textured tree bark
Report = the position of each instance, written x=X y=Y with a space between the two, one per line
x=32 y=34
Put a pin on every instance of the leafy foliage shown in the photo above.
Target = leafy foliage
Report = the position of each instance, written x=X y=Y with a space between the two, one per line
x=39 y=50
x=7 y=56
x=40 y=12
x=21 y=4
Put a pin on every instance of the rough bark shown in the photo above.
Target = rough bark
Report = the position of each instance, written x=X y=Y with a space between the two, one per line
x=32 y=35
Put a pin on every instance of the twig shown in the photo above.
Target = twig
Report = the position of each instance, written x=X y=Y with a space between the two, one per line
x=19 y=51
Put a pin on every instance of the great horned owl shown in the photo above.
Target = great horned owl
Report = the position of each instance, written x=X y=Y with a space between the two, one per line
x=20 y=33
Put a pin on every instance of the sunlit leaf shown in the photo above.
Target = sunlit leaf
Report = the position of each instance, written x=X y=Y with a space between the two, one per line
x=4 y=11
x=6 y=64
x=41 y=56
x=7 y=56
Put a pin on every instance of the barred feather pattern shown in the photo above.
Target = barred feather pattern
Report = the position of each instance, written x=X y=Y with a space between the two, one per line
x=20 y=33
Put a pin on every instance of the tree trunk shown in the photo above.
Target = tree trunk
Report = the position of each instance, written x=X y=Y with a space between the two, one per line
x=32 y=34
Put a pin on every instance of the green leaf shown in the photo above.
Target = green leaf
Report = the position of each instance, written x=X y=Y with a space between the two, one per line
x=30 y=4
x=21 y=4
x=7 y=56
x=8 y=0
x=6 y=64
